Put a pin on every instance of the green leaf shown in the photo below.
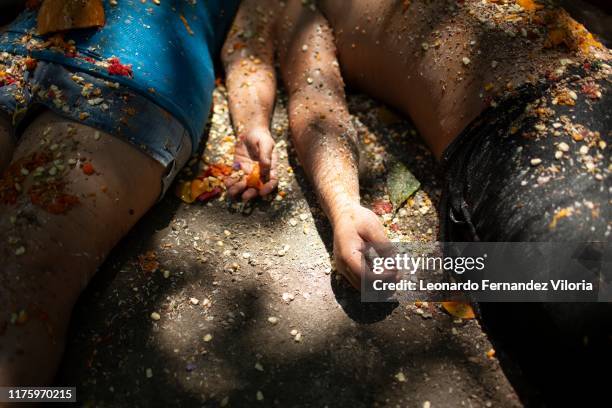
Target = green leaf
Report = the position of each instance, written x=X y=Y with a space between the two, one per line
x=401 y=184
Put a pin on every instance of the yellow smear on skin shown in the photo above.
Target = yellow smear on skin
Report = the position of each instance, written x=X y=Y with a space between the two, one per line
x=564 y=30
x=529 y=5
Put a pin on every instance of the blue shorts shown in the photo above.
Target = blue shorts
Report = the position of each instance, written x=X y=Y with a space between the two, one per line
x=147 y=76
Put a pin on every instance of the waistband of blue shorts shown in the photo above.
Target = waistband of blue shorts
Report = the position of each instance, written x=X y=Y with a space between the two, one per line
x=103 y=105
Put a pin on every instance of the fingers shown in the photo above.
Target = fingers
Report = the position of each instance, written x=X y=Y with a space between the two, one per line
x=349 y=261
x=254 y=146
x=260 y=146
x=272 y=182
x=237 y=188
x=251 y=141
x=348 y=275
x=268 y=188
x=266 y=146
x=230 y=181
x=373 y=233
x=249 y=194
x=354 y=265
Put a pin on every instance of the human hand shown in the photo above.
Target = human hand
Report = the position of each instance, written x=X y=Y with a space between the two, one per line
x=355 y=228
x=254 y=148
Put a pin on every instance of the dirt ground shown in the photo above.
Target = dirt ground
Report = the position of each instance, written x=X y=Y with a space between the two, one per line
x=218 y=305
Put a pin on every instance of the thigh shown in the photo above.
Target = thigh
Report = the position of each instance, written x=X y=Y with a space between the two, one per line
x=71 y=192
x=80 y=191
x=544 y=176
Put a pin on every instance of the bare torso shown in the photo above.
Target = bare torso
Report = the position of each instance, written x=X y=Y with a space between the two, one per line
x=442 y=62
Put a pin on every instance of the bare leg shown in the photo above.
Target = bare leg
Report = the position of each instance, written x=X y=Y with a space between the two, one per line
x=51 y=248
x=6 y=142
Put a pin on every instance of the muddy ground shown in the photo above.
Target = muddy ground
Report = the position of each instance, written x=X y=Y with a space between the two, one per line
x=251 y=312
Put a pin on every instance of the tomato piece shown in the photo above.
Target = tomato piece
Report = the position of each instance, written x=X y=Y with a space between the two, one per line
x=254 y=178
x=217 y=170
x=198 y=187
x=209 y=194
x=381 y=207
x=115 y=67
x=183 y=191
x=88 y=169
x=459 y=309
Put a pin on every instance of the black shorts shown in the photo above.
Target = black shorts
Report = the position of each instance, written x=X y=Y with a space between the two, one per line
x=536 y=167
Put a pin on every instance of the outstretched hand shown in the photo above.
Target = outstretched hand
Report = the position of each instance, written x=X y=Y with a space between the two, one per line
x=357 y=228
x=254 y=149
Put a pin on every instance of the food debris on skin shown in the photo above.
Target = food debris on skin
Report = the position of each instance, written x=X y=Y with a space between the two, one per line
x=88 y=169
x=46 y=187
x=43 y=178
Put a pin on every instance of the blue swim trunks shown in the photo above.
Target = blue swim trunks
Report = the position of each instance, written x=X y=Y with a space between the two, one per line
x=147 y=76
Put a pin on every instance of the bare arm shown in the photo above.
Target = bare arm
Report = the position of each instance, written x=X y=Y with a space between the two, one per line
x=322 y=132
x=248 y=57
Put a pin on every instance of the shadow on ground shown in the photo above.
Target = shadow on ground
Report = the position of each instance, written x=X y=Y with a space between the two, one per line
x=252 y=314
